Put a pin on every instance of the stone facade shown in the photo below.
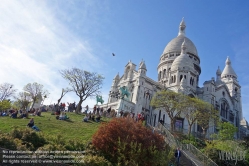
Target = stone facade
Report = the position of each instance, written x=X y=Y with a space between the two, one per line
x=179 y=70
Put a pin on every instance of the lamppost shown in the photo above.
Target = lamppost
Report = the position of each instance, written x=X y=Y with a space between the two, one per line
x=145 y=112
x=116 y=95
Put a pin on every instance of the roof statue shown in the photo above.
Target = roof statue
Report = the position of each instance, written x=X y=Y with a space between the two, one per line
x=99 y=99
x=124 y=92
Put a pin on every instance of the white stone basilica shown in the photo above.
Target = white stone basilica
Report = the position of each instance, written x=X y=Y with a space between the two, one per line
x=179 y=70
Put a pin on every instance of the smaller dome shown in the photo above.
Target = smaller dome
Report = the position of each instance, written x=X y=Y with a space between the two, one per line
x=142 y=65
x=183 y=61
x=218 y=72
x=243 y=122
x=228 y=70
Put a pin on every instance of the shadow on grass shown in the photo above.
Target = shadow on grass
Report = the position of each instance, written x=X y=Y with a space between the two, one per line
x=67 y=120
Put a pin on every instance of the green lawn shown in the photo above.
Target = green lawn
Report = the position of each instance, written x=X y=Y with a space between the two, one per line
x=49 y=125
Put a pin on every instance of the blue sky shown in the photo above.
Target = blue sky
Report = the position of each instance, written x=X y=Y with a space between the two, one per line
x=39 y=38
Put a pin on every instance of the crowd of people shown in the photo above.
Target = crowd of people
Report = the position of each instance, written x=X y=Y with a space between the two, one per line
x=59 y=110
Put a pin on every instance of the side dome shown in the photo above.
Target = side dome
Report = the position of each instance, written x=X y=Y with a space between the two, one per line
x=183 y=61
x=175 y=45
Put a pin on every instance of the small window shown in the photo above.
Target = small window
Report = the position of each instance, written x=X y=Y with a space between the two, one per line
x=223 y=93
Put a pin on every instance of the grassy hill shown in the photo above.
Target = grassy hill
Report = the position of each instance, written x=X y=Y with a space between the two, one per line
x=49 y=125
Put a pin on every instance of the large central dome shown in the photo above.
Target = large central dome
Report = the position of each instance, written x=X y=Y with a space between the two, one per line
x=175 y=45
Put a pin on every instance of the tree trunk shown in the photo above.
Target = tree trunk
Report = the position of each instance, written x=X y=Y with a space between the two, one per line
x=59 y=101
x=78 y=106
x=204 y=132
x=172 y=124
x=33 y=104
x=189 y=130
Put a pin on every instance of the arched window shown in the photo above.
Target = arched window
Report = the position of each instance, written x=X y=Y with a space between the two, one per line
x=159 y=117
x=185 y=76
x=174 y=78
x=190 y=81
x=236 y=90
x=127 y=72
x=224 y=109
x=159 y=76
x=164 y=73
x=231 y=117
x=180 y=78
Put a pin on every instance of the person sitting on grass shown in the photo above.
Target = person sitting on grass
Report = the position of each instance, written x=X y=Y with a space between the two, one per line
x=31 y=123
x=23 y=115
x=66 y=117
x=14 y=114
x=38 y=112
x=98 y=118
x=85 y=119
x=4 y=113
x=62 y=116
x=93 y=118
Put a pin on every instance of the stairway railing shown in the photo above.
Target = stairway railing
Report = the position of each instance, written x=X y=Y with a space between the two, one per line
x=173 y=142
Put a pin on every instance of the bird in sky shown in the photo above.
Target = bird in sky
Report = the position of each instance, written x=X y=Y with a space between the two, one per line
x=113 y=54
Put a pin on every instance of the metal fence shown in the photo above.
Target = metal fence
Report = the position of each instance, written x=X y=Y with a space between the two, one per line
x=173 y=142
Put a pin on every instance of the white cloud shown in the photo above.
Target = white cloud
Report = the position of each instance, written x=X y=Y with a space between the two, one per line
x=35 y=45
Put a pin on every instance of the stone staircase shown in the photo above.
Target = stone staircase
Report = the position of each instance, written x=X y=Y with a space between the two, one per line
x=191 y=156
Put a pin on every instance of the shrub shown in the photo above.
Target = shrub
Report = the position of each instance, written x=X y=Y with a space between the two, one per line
x=7 y=142
x=215 y=147
x=94 y=160
x=124 y=141
x=30 y=138
x=75 y=145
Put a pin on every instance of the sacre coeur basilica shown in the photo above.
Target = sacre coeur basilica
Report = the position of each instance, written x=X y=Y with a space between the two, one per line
x=179 y=70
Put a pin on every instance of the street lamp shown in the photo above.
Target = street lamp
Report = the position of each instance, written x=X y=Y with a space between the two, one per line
x=145 y=112
x=114 y=94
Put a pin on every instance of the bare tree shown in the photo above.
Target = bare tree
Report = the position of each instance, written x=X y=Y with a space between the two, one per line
x=35 y=90
x=63 y=93
x=23 y=99
x=85 y=84
x=6 y=91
